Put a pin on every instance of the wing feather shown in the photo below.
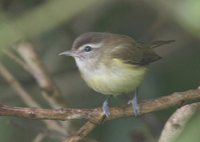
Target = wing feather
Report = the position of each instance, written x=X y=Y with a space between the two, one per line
x=134 y=53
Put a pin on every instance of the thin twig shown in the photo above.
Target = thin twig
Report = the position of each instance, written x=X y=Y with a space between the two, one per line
x=39 y=137
x=83 y=131
x=50 y=91
x=14 y=57
x=27 y=99
x=95 y=115
x=34 y=65
x=176 y=123
x=24 y=95
x=161 y=103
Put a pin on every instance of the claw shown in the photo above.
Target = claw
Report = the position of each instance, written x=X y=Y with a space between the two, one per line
x=105 y=108
x=135 y=105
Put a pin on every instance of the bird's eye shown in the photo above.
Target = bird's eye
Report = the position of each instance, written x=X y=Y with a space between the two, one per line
x=87 y=48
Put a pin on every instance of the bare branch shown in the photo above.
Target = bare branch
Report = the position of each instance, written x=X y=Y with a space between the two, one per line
x=176 y=123
x=49 y=89
x=14 y=57
x=95 y=115
x=83 y=131
x=27 y=99
x=92 y=114
x=24 y=95
x=39 y=137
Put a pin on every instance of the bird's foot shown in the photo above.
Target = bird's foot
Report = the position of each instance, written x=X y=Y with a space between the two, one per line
x=135 y=106
x=105 y=108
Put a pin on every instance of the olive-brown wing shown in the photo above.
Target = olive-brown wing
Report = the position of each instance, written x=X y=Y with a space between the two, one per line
x=134 y=53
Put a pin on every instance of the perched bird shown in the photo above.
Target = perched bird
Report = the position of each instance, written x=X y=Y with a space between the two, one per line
x=113 y=64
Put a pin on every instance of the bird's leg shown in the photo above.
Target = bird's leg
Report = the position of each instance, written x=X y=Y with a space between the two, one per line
x=134 y=103
x=105 y=107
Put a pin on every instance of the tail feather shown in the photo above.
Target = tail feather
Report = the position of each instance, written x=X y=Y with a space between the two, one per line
x=160 y=42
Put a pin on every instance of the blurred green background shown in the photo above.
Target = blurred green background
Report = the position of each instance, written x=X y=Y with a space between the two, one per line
x=53 y=25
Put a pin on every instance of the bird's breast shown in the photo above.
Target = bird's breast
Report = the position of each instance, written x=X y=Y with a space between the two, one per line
x=114 y=78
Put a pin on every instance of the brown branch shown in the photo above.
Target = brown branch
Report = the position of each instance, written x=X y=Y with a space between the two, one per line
x=14 y=57
x=34 y=65
x=37 y=68
x=176 y=123
x=39 y=138
x=26 y=97
x=21 y=92
x=95 y=115
x=83 y=131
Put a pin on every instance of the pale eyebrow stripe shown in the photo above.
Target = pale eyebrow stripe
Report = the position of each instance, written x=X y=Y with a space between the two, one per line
x=93 y=45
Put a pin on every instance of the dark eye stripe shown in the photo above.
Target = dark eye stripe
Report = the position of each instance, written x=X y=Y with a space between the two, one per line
x=87 y=48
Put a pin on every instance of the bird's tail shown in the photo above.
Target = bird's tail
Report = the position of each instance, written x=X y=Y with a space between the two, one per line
x=160 y=42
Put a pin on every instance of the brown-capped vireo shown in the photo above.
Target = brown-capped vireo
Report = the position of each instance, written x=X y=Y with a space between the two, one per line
x=113 y=64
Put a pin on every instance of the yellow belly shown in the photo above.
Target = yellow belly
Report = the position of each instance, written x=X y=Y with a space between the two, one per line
x=115 y=79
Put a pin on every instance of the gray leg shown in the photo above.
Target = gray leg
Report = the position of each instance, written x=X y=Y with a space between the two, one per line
x=105 y=108
x=134 y=103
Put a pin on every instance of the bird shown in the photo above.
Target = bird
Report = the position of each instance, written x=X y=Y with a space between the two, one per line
x=113 y=64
